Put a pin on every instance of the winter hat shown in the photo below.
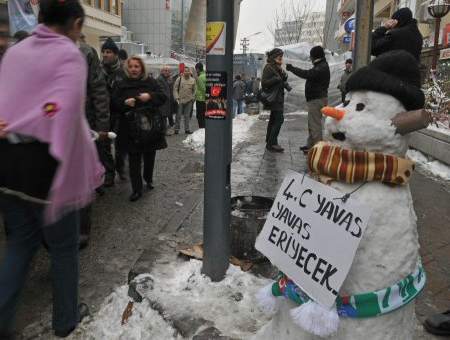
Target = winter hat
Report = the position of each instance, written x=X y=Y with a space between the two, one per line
x=110 y=45
x=395 y=73
x=123 y=55
x=276 y=52
x=403 y=16
x=317 y=52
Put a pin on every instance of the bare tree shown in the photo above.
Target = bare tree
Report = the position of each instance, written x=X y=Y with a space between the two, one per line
x=290 y=22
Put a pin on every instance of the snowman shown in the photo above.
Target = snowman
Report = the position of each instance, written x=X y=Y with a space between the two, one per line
x=363 y=153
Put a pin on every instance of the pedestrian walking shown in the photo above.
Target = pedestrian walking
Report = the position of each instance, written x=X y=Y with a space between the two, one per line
x=141 y=125
x=273 y=83
x=49 y=168
x=239 y=89
x=184 y=94
x=113 y=73
x=166 y=85
x=97 y=114
x=347 y=73
x=200 y=95
x=398 y=33
x=316 y=92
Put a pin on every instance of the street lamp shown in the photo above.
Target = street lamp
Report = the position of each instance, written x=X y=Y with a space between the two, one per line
x=437 y=9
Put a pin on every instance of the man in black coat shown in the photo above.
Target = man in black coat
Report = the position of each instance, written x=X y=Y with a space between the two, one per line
x=113 y=73
x=316 y=92
x=399 y=33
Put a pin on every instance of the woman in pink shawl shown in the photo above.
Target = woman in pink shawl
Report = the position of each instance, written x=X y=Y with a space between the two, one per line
x=48 y=162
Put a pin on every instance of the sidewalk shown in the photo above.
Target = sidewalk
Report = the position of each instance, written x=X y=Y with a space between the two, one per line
x=257 y=172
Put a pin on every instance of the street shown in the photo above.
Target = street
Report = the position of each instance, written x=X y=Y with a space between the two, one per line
x=123 y=233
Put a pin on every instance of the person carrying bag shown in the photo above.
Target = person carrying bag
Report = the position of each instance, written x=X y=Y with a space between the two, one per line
x=141 y=125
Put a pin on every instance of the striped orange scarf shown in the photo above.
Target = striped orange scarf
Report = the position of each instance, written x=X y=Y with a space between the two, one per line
x=330 y=162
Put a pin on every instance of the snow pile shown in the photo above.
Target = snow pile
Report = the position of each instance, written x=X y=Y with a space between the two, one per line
x=145 y=323
x=436 y=168
x=182 y=291
x=241 y=126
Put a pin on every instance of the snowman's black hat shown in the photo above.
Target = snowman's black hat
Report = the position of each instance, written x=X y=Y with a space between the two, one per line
x=395 y=73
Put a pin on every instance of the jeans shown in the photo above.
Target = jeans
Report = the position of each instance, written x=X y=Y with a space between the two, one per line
x=238 y=107
x=185 y=111
x=315 y=120
x=201 y=109
x=273 y=129
x=135 y=162
x=25 y=232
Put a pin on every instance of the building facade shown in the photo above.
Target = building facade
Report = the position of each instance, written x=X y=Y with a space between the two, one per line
x=308 y=29
x=103 y=18
x=151 y=23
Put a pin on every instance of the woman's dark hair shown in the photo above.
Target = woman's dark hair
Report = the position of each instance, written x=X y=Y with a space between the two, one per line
x=60 y=12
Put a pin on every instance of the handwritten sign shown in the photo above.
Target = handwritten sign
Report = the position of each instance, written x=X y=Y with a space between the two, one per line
x=312 y=235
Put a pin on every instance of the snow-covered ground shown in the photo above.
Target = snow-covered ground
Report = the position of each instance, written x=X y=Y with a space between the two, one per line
x=241 y=126
x=436 y=168
x=181 y=290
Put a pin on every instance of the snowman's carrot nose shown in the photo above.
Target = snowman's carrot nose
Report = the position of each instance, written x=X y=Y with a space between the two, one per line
x=333 y=112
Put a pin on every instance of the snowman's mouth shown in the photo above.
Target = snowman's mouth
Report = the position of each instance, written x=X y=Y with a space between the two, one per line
x=339 y=136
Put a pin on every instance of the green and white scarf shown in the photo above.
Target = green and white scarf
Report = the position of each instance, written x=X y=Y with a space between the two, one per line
x=363 y=305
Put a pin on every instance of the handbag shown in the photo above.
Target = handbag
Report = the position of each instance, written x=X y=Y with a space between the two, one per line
x=268 y=97
x=145 y=125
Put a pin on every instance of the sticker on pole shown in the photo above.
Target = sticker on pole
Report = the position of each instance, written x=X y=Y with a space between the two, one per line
x=216 y=36
x=312 y=236
x=216 y=95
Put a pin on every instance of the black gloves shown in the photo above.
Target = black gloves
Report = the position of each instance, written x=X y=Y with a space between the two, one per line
x=289 y=67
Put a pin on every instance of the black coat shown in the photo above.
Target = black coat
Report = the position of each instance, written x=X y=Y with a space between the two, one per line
x=273 y=79
x=406 y=38
x=131 y=88
x=317 y=79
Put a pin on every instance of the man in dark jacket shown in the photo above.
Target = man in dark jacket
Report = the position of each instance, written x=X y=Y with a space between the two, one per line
x=238 y=95
x=113 y=73
x=97 y=114
x=347 y=73
x=316 y=92
x=166 y=85
x=399 y=33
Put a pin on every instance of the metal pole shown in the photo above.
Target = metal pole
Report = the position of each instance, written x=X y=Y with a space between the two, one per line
x=216 y=227
x=363 y=38
x=182 y=27
x=436 y=44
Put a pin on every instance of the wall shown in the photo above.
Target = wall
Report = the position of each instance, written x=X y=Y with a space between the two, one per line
x=150 y=21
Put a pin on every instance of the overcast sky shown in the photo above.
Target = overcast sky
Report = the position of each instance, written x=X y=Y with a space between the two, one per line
x=255 y=16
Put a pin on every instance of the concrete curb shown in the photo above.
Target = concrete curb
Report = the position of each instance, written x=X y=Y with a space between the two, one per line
x=432 y=143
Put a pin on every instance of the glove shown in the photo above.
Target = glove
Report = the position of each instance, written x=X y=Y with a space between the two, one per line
x=289 y=67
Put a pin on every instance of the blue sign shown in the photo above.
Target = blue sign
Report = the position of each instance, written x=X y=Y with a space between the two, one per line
x=347 y=39
x=349 y=25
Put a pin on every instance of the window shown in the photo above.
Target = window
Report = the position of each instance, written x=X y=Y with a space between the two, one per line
x=107 y=5
x=97 y=4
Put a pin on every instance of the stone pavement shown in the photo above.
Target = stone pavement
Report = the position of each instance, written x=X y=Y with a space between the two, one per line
x=151 y=230
x=120 y=232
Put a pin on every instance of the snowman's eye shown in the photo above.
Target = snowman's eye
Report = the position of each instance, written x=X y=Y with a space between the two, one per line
x=346 y=103
x=360 y=106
